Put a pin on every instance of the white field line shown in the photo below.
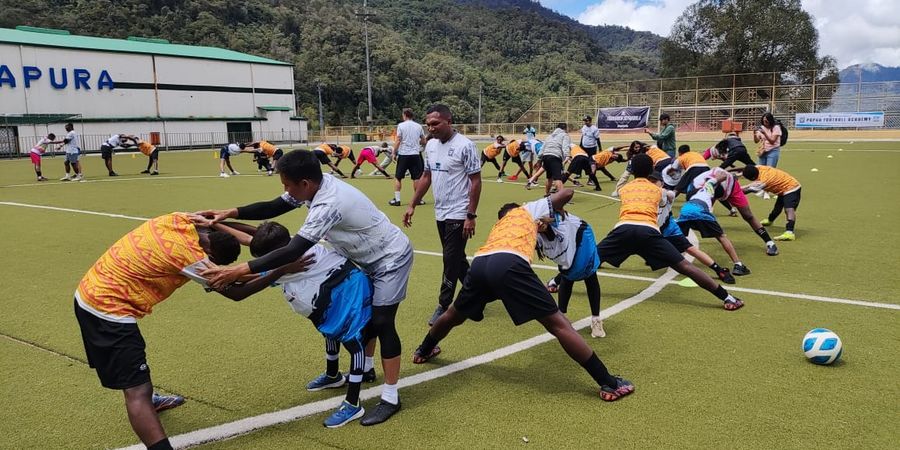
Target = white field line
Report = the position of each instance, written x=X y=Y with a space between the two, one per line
x=112 y=180
x=601 y=273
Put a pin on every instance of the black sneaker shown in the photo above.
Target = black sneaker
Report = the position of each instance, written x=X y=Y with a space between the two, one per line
x=113 y=174
x=772 y=250
x=369 y=376
x=394 y=202
x=437 y=313
x=725 y=275
x=145 y=171
x=740 y=270
x=421 y=202
x=154 y=173
x=380 y=413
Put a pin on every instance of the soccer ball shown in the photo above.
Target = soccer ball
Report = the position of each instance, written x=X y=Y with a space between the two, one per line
x=822 y=346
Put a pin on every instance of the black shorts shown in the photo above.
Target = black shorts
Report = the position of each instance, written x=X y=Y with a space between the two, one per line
x=680 y=242
x=277 y=155
x=626 y=240
x=106 y=151
x=516 y=159
x=322 y=157
x=115 y=350
x=581 y=164
x=687 y=178
x=414 y=164
x=553 y=166
x=591 y=151
x=662 y=164
x=706 y=228
x=154 y=154
x=223 y=153
x=791 y=199
x=507 y=277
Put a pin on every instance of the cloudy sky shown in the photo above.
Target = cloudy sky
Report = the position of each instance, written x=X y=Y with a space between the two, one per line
x=859 y=31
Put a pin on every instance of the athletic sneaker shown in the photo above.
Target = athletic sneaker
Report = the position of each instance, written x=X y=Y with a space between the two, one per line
x=500 y=180
x=513 y=178
x=394 y=202
x=725 y=276
x=113 y=174
x=552 y=287
x=154 y=173
x=65 y=178
x=437 y=313
x=765 y=222
x=740 y=270
x=324 y=381
x=224 y=175
x=145 y=171
x=42 y=179
x=235 y=172
x=733 y=212
x=786 y=236
x=614 y=194
x=78 y=177
x=733 y=305
x=501 y=174
x=382 y=412
x=590 y=183
x=164 y=402
x=269 y=173
x=766 y=196
x=345 y=414
x=530 y=185
x=771 y=250
x=622 y=388
x=577 y=183
x=422 y=202
x=597 y=330
x=369 y=376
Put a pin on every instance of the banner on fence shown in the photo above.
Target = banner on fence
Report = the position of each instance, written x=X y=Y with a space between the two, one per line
x=839 y=120
x=626 y=118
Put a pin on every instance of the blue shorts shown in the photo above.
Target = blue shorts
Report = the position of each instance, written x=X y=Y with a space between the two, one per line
x=350 y=308
x=695 y=211
x=587 y=260
x=670 y=228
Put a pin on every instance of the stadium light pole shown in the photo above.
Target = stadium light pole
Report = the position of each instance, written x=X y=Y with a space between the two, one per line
x=480 y=88
x=365 y=16
x=321 y=113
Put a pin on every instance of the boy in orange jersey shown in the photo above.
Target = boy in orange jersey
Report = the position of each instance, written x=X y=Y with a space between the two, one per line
x=147 y=149
x=342 y=152
x=138 y=272
x=490 y=153
x=637 y=232
x=513 y=150
x=322 y=153
x=689 y=164
x=780 y=183
x=272 y=152
x=501 y=269
x=600 y=159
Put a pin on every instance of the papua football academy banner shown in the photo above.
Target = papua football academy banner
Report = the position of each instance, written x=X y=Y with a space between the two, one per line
x=839 y=120
x=623 y=118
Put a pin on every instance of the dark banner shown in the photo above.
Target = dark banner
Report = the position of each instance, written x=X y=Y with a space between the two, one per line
x=623 y=118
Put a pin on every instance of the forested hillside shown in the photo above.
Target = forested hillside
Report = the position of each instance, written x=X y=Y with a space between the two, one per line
x=422 y=51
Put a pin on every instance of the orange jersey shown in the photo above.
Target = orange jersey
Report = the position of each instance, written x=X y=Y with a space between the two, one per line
x=267 y=148
x=691 y=159
x=776 y=181
x=491 y=151
x=576 y=150
x=142 y=268
x=516 y=232
x=640 y=203
x=325 y=148
x=656 y=154
x=512 y=149
x=146 y=147
x=604 y=158
x=345 y=151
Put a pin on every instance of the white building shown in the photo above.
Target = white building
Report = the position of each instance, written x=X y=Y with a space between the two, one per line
x=180 y=95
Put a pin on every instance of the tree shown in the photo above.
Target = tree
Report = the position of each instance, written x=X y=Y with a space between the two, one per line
x=741 y=36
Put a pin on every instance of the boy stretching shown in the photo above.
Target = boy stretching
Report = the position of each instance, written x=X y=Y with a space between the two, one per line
x=780 y=183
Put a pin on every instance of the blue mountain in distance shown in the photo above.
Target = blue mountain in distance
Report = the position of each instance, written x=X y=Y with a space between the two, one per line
x=870 y=73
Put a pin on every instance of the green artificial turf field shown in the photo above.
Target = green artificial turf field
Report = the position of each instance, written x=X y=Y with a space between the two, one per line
x=704 y=377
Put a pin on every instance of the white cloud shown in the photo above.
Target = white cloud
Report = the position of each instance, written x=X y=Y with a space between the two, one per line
x=861 y=31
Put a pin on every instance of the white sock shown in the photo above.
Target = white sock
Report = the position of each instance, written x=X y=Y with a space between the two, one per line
x=389 y=393
x=397 y=195
x=770 y=243
x=738 y=263
x=369 y=363
x=730 y=298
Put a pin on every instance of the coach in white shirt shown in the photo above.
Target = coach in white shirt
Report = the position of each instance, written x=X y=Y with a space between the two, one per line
x=454 y=167
x=407 y=148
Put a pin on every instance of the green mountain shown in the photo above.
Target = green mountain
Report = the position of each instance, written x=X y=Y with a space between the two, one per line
x=422 y=51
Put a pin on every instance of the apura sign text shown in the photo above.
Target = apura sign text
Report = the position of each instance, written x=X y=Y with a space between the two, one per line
x=81 y=79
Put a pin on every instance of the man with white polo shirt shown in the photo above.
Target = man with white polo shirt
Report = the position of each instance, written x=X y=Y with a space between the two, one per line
x=590 y=141
x=410 y=138
x=454 y=168
x=72 y=146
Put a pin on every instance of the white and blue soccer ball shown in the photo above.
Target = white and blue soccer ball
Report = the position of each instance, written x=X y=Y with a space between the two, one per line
x=822 y=346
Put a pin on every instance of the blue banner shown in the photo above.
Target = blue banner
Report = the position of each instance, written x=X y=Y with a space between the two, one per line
x=627 y=118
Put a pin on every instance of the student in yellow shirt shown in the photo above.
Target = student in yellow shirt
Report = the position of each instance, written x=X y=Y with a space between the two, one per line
x=147 y=149
x=502 y=270
x=342 y=152
x=637 y=233
x=512 y=152
x=323 y=152
x=780 y=183
x=138 y=272
x=489 y=154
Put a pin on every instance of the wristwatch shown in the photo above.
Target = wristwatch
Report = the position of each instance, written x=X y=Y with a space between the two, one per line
x=471 y=216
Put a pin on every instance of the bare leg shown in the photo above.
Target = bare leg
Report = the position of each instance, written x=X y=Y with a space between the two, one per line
x=701 y=256
x=142 y=414
x=729 y=248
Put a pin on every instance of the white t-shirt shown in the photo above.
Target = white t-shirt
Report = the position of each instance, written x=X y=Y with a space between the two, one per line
x=590 y=136
x=74 y=144
x=664 y=210
x=727 y=185
x=41 y=146
x=350 y=222
x=114 y=141
x=302 y=289
x=409 y=132
x=450 y=164
x=234 y=149
x=562 y=248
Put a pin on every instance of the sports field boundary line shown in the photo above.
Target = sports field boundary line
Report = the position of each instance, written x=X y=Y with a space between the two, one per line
x=812 y=297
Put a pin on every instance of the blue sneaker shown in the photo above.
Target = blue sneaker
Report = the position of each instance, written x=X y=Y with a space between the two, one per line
x=326 y=382
x=345 y=414
x=164 y=402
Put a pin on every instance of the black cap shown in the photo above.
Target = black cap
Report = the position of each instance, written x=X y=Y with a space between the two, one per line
x=586 y=117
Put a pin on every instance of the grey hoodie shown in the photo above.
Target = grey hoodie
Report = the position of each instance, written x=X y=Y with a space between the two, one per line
x=557 y=144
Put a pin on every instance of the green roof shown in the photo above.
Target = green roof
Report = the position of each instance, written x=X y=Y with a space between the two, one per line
x=45 y=37
x=274 y=108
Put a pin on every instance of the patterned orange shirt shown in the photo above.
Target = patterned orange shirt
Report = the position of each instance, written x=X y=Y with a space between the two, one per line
x=512 y=149
x=576 y=150
x=691 y=159
x=491 y=151
x=267 y=148
x=640 y=203
x=604 y=158
x=345 y=151
x=656 y=154
x=146 y=147
x=516 y=232
x=142 y=268
x=776 y=181
x=325 y=148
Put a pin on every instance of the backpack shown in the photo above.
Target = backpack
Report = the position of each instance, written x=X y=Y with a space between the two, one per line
x=784 y=133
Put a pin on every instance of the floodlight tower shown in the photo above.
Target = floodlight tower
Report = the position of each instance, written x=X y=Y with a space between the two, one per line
x=365 y=16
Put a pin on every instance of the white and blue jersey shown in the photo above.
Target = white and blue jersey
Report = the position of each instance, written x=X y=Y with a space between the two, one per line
x=572 y=246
